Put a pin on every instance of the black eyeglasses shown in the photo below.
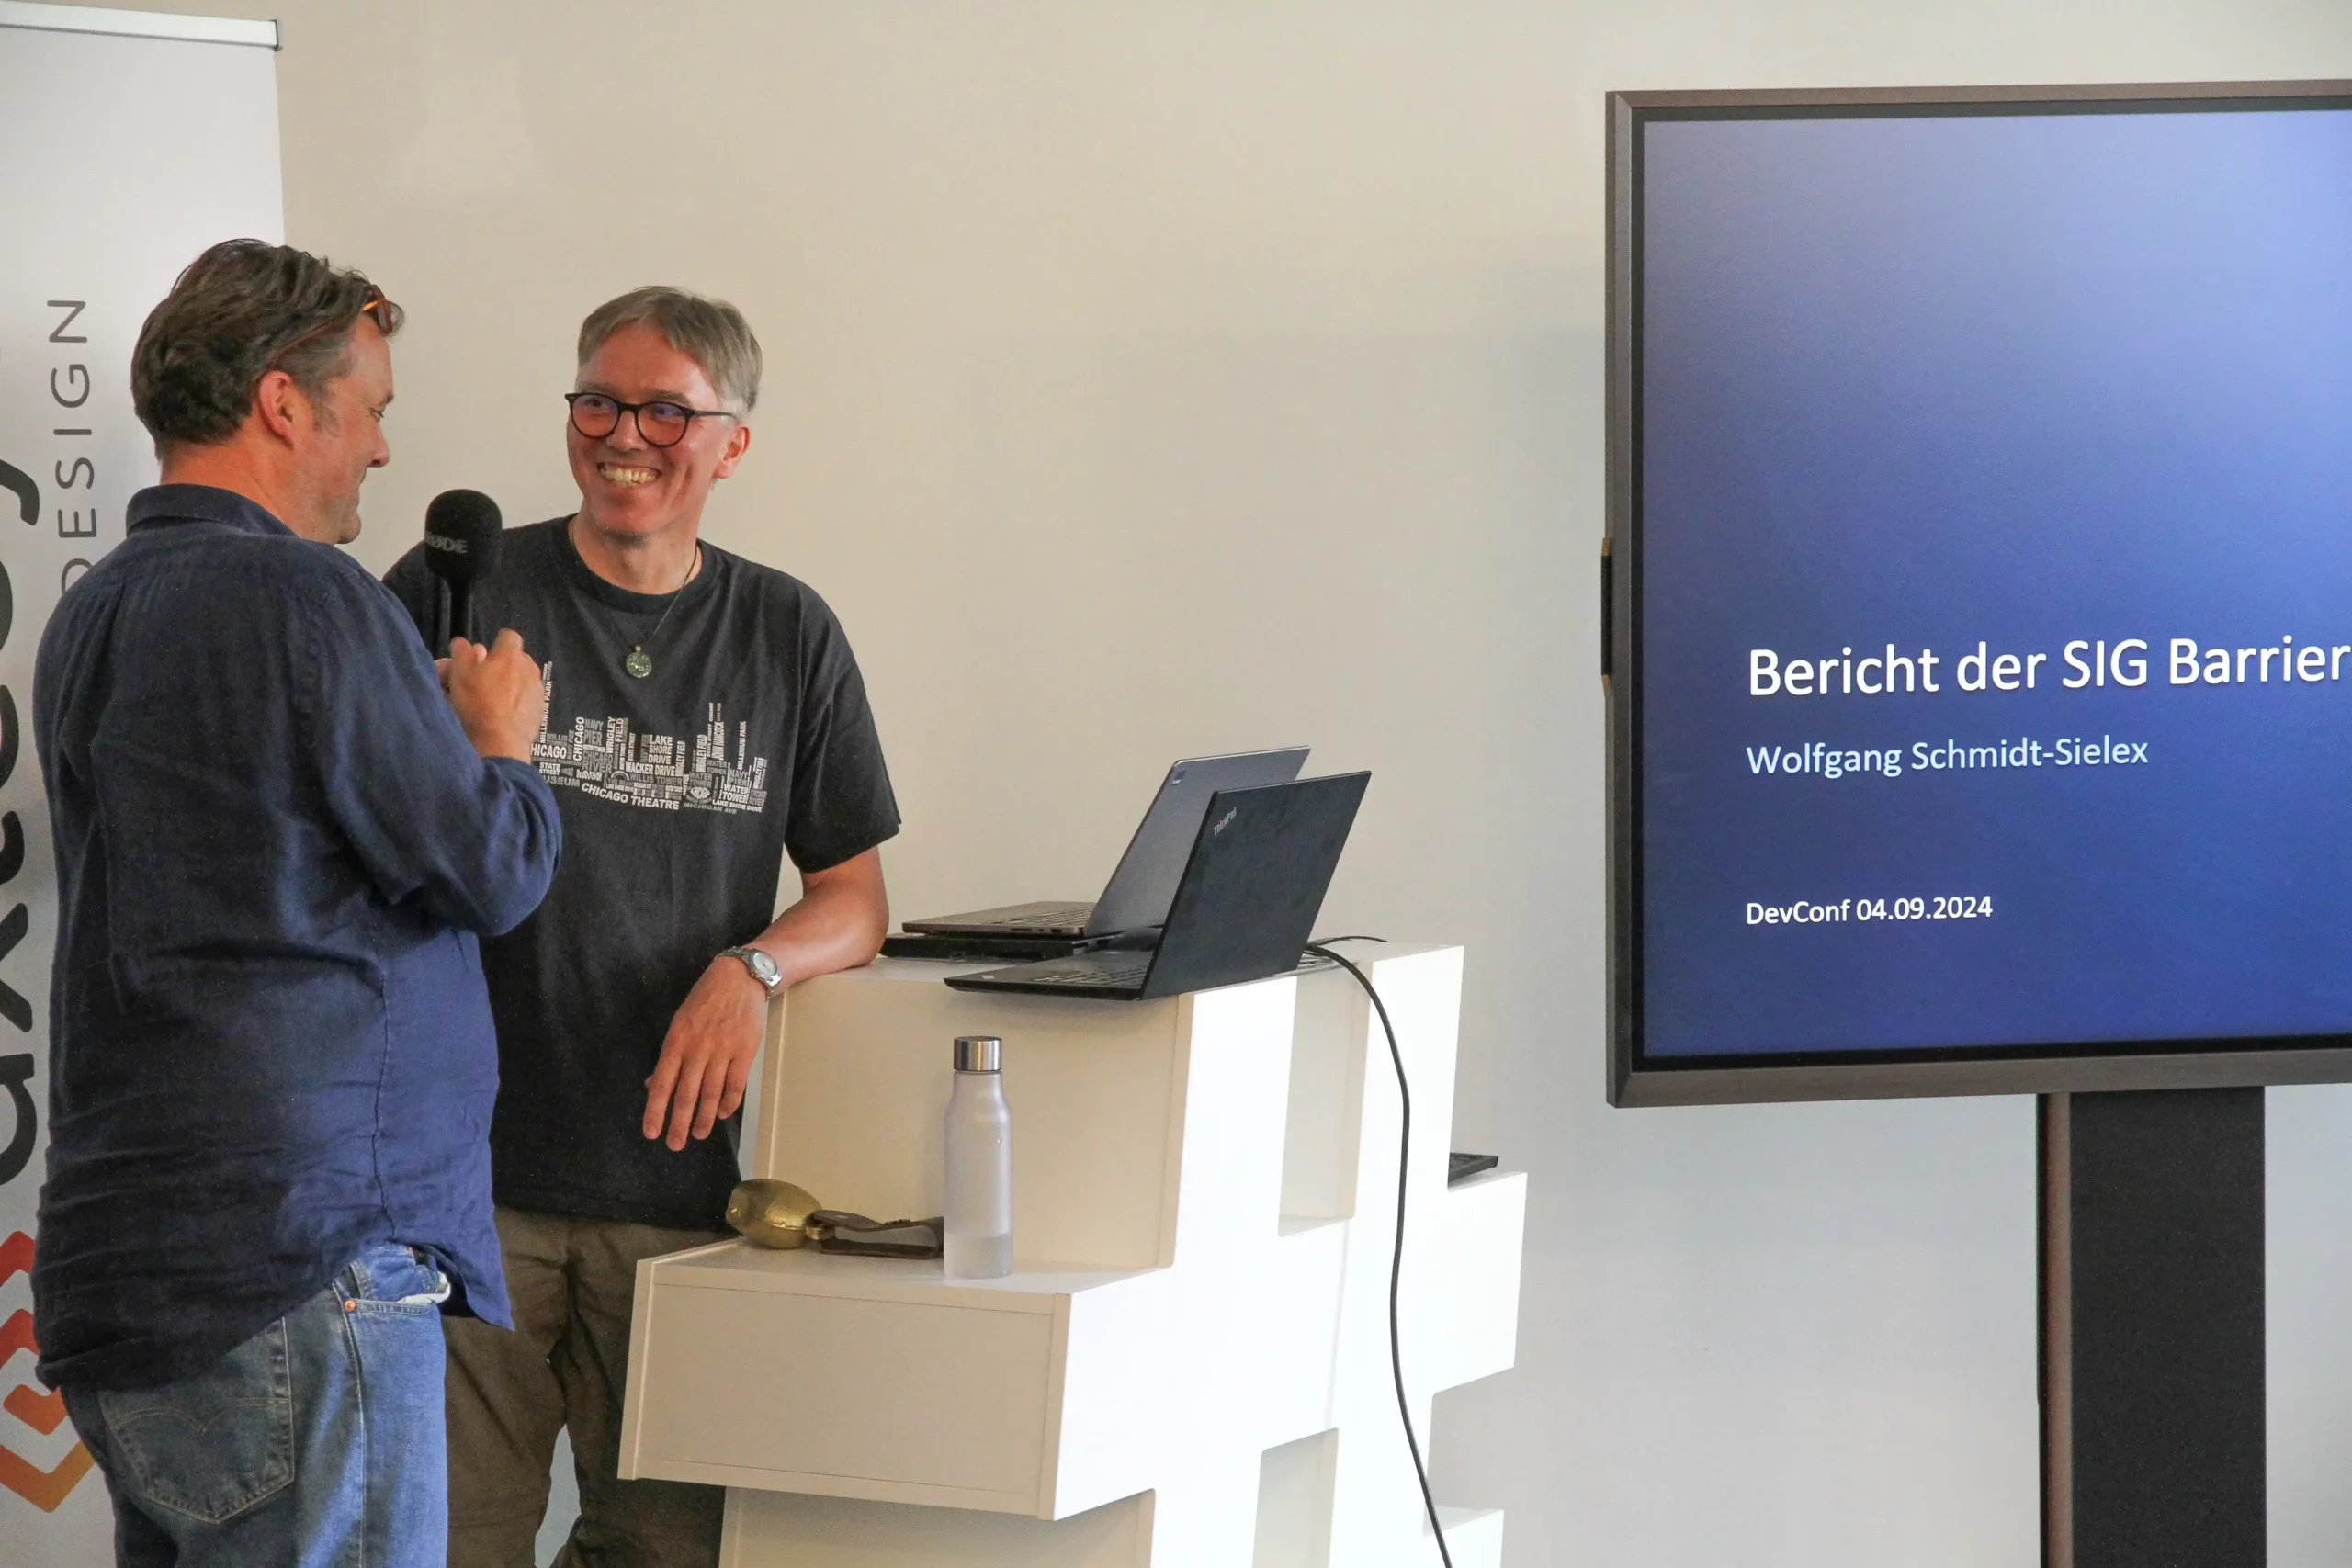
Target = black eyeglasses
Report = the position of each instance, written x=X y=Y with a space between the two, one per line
x=596 y=416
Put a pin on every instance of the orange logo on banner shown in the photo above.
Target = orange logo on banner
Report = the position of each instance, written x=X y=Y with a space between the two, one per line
x=44 y=1489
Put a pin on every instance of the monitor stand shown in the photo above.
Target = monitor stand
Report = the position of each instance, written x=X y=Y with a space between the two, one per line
x=2152 y=1329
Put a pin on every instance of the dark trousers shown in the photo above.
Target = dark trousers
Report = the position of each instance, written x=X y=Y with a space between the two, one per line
x=563 y=1368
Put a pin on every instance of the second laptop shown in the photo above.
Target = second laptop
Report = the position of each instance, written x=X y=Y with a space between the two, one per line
x=1140 y=889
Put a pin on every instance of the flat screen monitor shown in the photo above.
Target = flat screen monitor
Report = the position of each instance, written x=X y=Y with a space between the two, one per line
x=1978 y=591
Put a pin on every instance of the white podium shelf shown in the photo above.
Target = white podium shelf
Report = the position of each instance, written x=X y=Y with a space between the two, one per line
x=1189 y=1365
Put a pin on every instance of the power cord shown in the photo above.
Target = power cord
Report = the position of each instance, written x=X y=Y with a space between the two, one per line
x=1397 y=1257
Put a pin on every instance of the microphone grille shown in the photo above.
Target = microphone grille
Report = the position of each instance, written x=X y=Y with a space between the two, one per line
x=462 y=529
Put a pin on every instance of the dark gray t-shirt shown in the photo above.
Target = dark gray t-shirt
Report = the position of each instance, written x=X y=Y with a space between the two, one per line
x=680 y=792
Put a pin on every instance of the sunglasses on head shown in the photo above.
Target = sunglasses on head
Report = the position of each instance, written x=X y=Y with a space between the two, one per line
x=382 y=311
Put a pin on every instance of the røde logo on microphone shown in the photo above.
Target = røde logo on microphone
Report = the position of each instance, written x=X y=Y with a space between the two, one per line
x=442 y=542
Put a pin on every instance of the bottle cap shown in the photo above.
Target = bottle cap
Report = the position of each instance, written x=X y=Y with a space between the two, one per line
x=978 y=1053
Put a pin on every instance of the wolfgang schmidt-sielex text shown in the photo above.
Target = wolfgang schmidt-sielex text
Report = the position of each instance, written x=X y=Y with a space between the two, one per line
x=1822 y=760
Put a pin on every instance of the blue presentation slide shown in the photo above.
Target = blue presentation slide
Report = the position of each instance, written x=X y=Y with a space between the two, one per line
x=1995 y=527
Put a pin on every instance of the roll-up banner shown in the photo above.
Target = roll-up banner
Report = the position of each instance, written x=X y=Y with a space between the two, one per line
x=128 y=141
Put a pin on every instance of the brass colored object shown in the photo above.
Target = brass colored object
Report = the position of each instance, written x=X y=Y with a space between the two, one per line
x=771 y=1213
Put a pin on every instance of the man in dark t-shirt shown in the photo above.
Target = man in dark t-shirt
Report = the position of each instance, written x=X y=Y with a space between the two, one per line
x=705 y=718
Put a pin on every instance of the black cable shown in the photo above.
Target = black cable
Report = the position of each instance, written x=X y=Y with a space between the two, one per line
x=1395 y=1258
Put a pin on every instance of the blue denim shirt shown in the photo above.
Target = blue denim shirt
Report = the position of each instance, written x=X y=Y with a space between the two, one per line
x=270 y=1044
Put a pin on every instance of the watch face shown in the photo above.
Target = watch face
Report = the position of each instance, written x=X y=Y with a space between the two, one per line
x=763 y=968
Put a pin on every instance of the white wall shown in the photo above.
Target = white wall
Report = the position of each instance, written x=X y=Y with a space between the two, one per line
x=1155 y=379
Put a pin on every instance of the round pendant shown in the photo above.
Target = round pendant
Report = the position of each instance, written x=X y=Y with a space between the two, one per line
x=637 y=664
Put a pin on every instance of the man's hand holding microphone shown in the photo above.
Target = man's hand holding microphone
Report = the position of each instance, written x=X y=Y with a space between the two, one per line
x=497 y=693
x=495 y=686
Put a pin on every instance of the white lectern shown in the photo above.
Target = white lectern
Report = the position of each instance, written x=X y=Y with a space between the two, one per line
x=1189 y=1365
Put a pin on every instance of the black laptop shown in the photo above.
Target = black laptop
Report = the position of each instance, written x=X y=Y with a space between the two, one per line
x=1244 y=908
x=1144 y=882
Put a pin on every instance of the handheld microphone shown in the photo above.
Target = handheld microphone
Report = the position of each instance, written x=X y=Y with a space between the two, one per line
x=462 y=529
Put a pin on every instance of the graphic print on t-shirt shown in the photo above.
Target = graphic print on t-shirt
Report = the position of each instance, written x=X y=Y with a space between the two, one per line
x=600 y=757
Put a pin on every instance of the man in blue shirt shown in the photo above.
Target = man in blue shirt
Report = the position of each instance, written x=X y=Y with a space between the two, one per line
x=272 y=1057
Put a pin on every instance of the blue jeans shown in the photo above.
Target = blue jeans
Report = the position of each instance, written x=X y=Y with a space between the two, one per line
x=317 y=1443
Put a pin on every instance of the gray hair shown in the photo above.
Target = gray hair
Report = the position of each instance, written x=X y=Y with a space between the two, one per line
x=241 y=309
x=711 y=332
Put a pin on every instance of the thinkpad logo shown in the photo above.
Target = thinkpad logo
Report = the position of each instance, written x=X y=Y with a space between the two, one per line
x=1225 y=821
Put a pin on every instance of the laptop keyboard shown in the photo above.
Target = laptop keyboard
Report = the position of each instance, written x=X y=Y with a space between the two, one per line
x=1120 y=971
x=1069 y=917
x=1114 y=971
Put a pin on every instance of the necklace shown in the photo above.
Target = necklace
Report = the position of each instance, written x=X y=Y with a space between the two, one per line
x=640 y=663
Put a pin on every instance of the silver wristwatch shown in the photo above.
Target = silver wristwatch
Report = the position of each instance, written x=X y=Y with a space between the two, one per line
x=762 y=967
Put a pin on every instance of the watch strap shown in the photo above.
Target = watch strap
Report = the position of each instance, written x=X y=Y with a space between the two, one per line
x=762 y=967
